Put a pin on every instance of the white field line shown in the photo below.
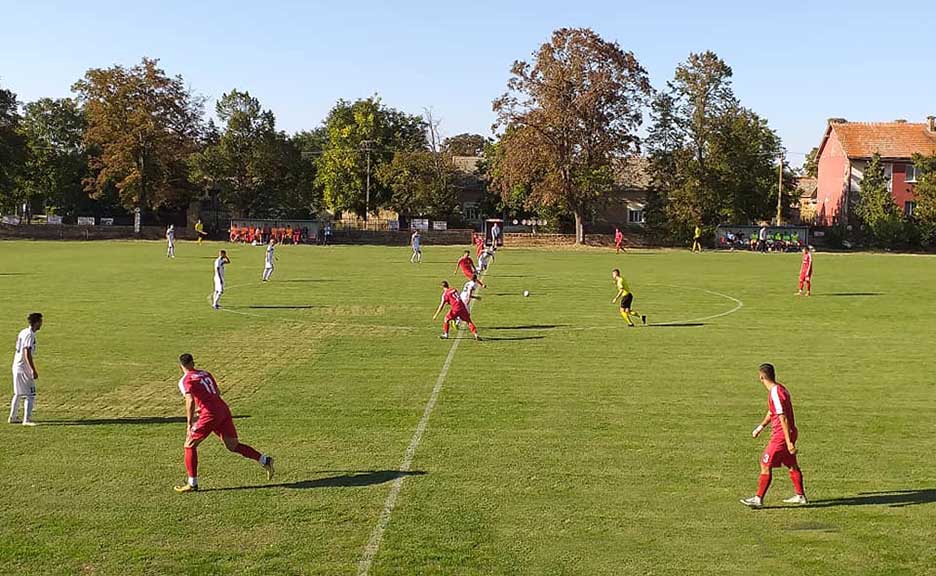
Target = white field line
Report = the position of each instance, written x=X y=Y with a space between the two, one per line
x=738 y=305
x=373 y=544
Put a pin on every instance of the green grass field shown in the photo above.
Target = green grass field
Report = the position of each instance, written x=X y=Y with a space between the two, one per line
x=563 y=444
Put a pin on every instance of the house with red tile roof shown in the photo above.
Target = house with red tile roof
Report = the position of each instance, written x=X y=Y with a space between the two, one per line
x=846 y=149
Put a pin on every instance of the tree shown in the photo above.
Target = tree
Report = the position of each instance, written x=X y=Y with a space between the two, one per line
x=567 y=118
x=12 y=149
x=465 y=145
x=56 y=161
x=811 y=164
x=925 y=190
x=875 y=202
x=362 y=132
x=416 y=186
x=142 y=127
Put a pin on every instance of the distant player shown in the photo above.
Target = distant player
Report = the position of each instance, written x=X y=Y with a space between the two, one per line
x=484 y=260
x=479 y=244
x=268 y=260
x=170 y=239
x=416 y=243
x=219 y=264
x=781 y=450
x=458 y=311
x=805 y=272
x=201 y=392
x=696 y=236
x=627 y=299
x=24 y=371
x=467 y=267
x=200 y=230
x=618 y=241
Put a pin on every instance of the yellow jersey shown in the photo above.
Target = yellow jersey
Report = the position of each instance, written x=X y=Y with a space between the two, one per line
x=698 y=232
x=622 y=286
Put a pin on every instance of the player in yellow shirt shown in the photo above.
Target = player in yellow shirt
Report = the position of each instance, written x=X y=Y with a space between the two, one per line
x=200 y=230
x=627 y=299
x=696 y=245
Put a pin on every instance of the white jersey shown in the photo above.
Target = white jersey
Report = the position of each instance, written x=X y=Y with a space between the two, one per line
x=415 y=242
x=219 y=271
x=170 y=236
x=26 y=339
x=269 y=256
x=468 y=291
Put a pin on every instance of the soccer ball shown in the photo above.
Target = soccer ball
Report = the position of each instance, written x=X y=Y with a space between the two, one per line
x=526 y=293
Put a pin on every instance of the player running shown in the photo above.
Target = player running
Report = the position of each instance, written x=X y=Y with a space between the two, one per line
x=268 y=261
x=781 y=450
x=458 y=311
x=416 y=243
x=618 y=241
x=627 y=299
x=467 y=267
x=24 y=371
x=696 y=235
x=219 y=264
x=201 y=392
x=805 y=272
x=484 y=260
x=170 y=239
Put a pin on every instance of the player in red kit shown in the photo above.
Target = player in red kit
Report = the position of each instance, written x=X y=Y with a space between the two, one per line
x=618 y=241
x=781 y=450
x=201 y=391
x=805 y=272
x=467 y=267
x=479 y=245
x=458 y=310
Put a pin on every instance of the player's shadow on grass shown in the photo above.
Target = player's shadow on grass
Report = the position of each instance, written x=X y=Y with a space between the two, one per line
x=845 y=294
x=527 y=327
x=273 y=307
x=124 y=420
x=675 y=325
x=306 y=280
x=891 y=498
x=350 y=479
x=509 y=338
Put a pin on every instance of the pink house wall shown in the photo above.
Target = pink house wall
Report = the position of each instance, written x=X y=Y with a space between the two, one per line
x=901 y=191
x=833 y=177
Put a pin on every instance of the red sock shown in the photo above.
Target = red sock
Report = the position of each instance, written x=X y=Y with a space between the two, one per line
x=797 y=477
x=247 y=452
x=763 y=483
x=472 y=328
x=445 y=327
x=191 y=462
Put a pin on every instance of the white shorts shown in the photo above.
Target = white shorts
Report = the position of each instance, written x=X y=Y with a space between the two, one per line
x=267 y=266
x=219 y=287
x=23 y=383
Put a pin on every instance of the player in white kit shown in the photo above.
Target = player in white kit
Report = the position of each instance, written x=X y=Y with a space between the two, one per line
x=24 y=371
x=484 y=259
x=468 y=293
x=170 y=238
x=268 y=262
x=416 y=242
x=219 y=263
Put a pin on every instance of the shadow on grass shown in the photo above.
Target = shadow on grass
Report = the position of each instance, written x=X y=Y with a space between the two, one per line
x=274 y=307
x=306 y=280
x=509 y=338
x=125 y=420
x=350 y=479
x=527 y=327
x=847 y=294
x=891 y=499
x=675 y=325
x=16 y=273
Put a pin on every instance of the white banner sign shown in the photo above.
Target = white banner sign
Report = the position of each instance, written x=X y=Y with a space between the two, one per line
x=439 y=225
x=420 y=223
x=86 y=220
x=14 y=220
x=56 y=220
x=393 y=225
x=107 y=221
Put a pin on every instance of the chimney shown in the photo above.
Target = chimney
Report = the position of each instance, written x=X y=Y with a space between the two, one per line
x=931 y=122
x=837 y=121
x=900 y=121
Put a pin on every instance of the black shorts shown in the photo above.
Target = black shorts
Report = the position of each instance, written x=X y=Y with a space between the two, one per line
x=627 y=301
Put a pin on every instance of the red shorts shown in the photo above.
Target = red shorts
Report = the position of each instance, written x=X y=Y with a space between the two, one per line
x=461 y=314
x=222 y=425
x=776 y=454
x=468 y=273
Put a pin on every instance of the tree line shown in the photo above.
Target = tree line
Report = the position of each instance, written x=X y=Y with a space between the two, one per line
x=568 y=126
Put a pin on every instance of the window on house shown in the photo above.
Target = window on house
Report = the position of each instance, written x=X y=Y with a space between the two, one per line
x=472 y=212
x=889 y=176
x=911 y=173
x=909 y=208
x=635 y=216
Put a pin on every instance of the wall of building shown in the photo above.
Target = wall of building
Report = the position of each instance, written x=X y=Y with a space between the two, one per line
x=902 y=191
x=833 y=174
x=69 y=232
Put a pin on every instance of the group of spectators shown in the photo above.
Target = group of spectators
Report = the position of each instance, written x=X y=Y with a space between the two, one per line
x=762 y=241
x=282 y=234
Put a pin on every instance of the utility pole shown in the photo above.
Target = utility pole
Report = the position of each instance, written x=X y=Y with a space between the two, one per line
x=780 y=192
x=367 y=144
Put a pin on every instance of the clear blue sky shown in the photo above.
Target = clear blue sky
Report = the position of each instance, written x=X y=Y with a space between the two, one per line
x=795 y=63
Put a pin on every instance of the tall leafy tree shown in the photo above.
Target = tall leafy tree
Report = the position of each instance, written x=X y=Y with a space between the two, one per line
x=465 y=145
x=142 y=127
x=875 y=203
x=12 y=149
x=56 y=161
x=925 y=190
x=416 y=186
x=357 y=132
x=567 y=117
x=811 y=164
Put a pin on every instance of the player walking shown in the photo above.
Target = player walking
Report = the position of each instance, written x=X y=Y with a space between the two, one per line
x=170 y=239
x=627 y=299
x=219 y=263
x=467 y=267
x=200 y=230
x=416 y=243
x=781 y=450
x=201 y=392
x=484 y=260
x=458 y=310
x=805 y=272
x=696 y=245
x=618 y=241
x=24 y=371
x=268 y=262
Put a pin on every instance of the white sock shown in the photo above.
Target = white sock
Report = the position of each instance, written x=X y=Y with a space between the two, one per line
x=14 y=407
x=27 y=416
x=193 y=480
x=217 y=299
x=264 y=459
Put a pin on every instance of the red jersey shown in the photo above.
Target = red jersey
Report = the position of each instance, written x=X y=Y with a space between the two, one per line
x=452 y=297
x=466 y=265
x=618 y=237
x=204 y=390
x=779 y=402
x=806 y=267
